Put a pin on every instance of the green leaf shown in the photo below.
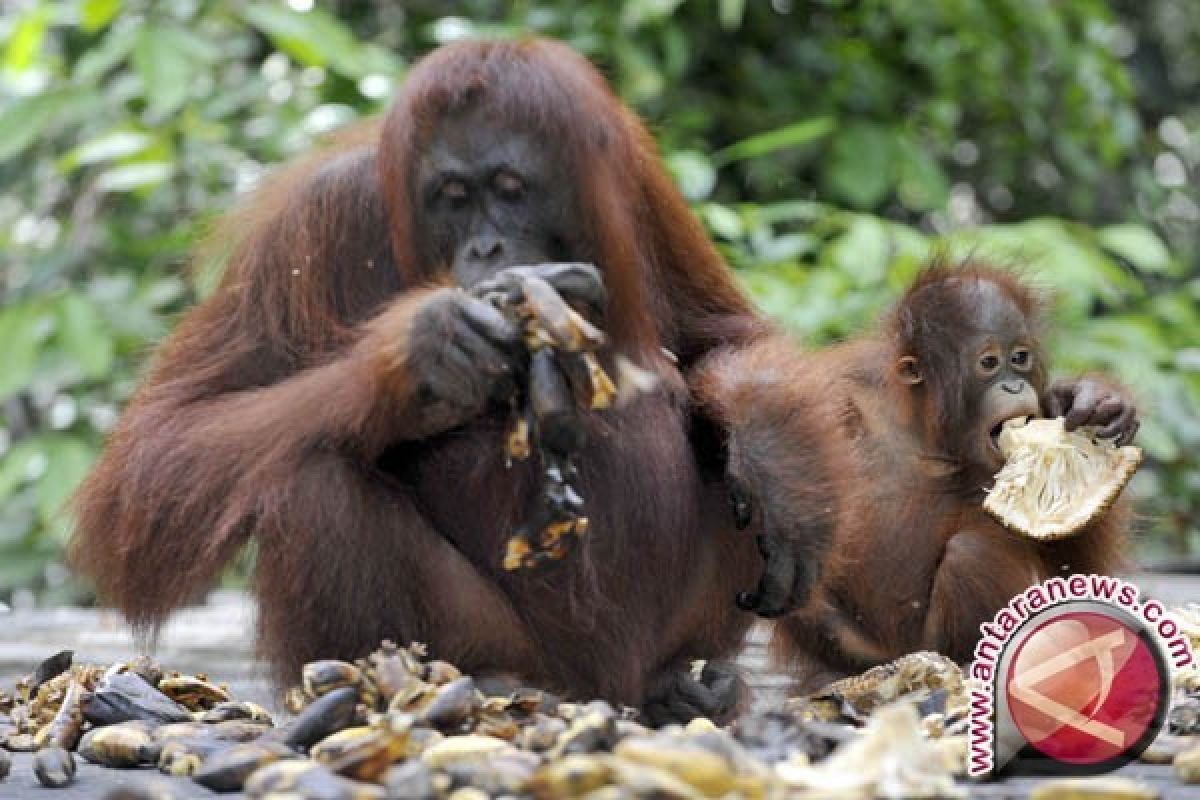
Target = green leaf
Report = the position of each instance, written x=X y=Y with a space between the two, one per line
x=314 y=38
x=862 y=252
x=83 y=335
x=693 y=172
x=722 y=220
x=636 y=13
x=784 y=247
x=67 y=461
x=133 y=176
x=802 y=211
x=730 y=13
x=108 y=147
x=794 y=135
x=14 y=466
x=1130 y=333
x=908 y=243
x=24 y=120
x=921 y=185
x=859 y=168
x=19 y=346
x=162 y=293
x=1060 y=253
x=26 y=39
x=166 y=56
x=95 y=14
x=113 y=48
x=1138 y=245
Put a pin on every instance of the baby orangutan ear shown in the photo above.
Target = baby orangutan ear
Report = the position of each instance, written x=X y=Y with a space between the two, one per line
x=908 y=371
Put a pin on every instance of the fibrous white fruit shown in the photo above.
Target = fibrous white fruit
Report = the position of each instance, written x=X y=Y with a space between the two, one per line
x=1055 y=482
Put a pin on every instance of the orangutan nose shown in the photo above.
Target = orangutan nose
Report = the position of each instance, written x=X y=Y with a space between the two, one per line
x=484 y=248
x=1013 y=388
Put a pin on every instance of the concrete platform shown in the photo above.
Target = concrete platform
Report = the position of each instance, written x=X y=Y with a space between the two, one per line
x=218 y=638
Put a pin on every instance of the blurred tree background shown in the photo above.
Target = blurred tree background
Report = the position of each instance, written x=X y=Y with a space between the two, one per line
x=827 y=144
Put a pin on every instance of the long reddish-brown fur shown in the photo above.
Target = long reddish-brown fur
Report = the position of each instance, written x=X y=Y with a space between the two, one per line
x=916 y=563
x=281 y=409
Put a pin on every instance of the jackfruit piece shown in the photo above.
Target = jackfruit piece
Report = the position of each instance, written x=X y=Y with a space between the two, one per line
x=1054 y=482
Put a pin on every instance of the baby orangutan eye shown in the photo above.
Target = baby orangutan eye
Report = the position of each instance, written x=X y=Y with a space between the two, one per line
x=1022 y=358
x=989 y=363
x=508 y=185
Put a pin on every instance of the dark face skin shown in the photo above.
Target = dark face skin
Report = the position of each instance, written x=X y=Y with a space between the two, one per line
x=999 y=357
x=494 y=198
x=493 y=206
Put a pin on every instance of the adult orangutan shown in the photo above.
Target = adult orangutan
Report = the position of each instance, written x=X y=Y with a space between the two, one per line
x=890 y=441
x=341 y=399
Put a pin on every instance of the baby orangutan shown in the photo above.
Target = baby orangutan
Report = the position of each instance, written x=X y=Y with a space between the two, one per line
x=890 y=440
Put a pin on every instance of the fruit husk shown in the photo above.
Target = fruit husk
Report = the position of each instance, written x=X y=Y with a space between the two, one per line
x=1055 y=482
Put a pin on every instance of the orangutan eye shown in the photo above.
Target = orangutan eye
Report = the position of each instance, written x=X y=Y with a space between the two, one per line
x=989 y=363
x=1022 y=358
x=508 y=185
x=454 y=190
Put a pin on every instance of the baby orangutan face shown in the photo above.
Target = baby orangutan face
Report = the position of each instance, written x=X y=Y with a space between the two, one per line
x=1002 y=357
x=999 y=374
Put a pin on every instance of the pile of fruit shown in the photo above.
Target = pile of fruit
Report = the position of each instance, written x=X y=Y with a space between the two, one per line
x=401 y=725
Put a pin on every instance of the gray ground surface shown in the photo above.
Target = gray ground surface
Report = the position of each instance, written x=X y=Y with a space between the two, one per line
x=218 y=638
x=93 y=782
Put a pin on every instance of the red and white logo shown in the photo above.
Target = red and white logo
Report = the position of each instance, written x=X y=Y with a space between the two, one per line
x=1084 y=688
x=1072 y=676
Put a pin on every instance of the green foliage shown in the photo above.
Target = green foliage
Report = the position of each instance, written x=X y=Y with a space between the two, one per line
x=829 y=146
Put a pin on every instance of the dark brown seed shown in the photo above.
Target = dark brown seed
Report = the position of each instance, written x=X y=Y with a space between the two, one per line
x=227 y=770
x=325 y=715
x=455 y=702
x=54 y=767
x=50 y=669
x=123 y=696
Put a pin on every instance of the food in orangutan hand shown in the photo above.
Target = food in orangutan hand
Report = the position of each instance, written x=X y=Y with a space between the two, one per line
x=564 y=374
x=1054 y=482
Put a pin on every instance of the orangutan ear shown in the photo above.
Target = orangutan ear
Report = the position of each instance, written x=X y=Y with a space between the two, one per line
x=908 y=371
